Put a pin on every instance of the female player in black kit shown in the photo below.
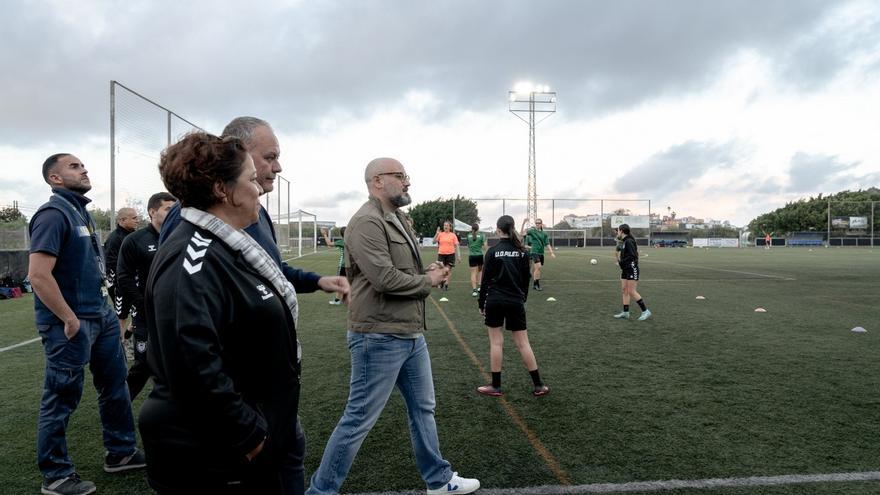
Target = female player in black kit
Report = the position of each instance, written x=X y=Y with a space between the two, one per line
x=503 y=292
x=629 y=276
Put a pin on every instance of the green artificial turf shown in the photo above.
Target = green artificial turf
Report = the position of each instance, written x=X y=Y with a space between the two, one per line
x=704 y=389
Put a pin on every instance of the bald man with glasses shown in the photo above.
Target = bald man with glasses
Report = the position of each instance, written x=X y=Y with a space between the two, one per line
x=386 y=324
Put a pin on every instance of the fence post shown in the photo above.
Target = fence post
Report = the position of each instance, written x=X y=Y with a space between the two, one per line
x=288 y=214
x=112 y=152
x=829 y=223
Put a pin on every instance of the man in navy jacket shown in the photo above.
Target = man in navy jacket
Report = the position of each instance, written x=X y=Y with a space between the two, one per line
x=78 y=328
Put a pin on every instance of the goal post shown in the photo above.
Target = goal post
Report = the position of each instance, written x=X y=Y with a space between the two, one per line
x=301 y=231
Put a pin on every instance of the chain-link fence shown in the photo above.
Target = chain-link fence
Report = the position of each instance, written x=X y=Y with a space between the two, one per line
x=575 y=222
x=139 y=130
x=852 y=223
x=14 y=238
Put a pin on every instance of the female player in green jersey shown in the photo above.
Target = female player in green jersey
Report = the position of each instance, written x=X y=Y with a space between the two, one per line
x=476 y=244
x=340 y=245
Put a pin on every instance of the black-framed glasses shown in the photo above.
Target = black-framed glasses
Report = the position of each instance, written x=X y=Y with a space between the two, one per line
x=400 y=175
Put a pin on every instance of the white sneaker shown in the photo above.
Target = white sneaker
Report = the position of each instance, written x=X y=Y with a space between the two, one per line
x=335 y=302
x=457 y=484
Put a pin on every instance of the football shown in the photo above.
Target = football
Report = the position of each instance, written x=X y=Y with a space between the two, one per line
x=594 y=261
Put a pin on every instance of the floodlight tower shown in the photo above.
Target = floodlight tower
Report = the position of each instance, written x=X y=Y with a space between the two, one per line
x=529 y=99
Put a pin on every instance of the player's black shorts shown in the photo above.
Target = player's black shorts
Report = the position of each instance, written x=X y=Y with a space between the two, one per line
x=537 y=258
x=512 y=315
x=341 y=271
x=475 y=260
x=446 y=259
x=629 y=271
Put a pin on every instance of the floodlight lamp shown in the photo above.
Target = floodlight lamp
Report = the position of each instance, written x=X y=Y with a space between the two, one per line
x=512 y=96
x=524 y=87
x=552 y=99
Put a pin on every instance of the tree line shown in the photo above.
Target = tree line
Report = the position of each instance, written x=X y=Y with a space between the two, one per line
x=805 y=215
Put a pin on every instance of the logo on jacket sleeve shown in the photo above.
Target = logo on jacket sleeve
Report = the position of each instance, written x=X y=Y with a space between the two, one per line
x=264 y=293
x=151 y=248
x=195 y=251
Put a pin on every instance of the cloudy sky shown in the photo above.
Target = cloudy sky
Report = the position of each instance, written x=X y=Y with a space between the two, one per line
x=718 y=109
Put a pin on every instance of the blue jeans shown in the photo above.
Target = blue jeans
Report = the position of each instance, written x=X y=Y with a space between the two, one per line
x=378 y=363
x=97 y=344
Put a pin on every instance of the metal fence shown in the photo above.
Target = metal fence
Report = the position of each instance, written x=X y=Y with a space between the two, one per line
x=140 y=129
x=574 y=221
x=14 y=238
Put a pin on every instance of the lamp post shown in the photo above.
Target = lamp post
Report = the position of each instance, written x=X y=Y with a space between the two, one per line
x=526 y=100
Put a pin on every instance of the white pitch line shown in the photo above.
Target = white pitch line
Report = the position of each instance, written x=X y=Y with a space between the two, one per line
x=779 y=277
x=299 y=257
x=663 y=485
x=26 y=342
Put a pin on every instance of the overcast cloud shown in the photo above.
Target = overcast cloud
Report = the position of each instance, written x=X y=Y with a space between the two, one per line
x=292 y=61
x=676 y=168
x=674 y=84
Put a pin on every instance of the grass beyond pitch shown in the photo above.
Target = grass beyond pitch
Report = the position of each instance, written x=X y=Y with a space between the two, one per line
x=704 y=389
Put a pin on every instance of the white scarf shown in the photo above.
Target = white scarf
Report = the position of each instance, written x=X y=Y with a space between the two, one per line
x=253 y=253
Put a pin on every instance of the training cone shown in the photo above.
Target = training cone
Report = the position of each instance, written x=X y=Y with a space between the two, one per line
x=858 y=330
x=700 y=297
x=757 y=310
x=443 y=299
x=551 y=299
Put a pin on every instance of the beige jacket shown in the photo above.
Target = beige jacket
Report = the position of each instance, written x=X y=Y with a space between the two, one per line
x=388 y=284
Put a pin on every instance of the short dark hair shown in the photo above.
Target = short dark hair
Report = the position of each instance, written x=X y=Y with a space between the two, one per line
x=623 y=228
x=157 y=199
x=191 y=166
x=50 y=162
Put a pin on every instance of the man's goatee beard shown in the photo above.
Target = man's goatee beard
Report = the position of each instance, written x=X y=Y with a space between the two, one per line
x=401 y=200
x=80 y=189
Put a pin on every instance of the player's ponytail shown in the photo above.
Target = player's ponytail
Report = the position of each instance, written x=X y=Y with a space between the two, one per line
x=506 y=225
x=474 y=228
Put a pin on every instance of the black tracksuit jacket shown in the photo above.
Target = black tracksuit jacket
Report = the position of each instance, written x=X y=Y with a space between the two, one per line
x=111 y=257
x=505 y=275
x=223 y=355
x=132 y=268
x=630 y=252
